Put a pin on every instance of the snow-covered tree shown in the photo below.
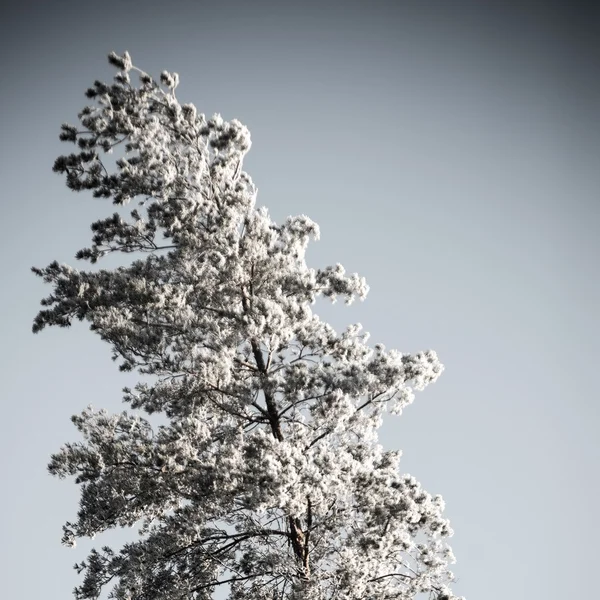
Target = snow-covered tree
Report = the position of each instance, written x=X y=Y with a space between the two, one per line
x=267 y=480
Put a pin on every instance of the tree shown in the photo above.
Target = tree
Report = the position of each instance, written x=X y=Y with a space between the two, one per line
x=267 y=479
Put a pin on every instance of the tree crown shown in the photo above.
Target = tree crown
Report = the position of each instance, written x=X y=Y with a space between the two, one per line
x=268 y=479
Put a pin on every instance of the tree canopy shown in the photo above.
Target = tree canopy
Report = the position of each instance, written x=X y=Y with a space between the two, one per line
x=267 y=480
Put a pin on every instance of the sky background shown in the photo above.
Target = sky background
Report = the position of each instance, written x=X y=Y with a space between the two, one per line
x=449 y=151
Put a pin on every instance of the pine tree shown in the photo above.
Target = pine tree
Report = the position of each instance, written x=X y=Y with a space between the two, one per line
x=267 y=480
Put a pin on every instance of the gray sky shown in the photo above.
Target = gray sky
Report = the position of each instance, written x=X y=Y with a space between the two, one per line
x=449 y=152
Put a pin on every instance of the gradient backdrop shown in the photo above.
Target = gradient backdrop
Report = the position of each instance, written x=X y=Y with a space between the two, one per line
x=449 y=151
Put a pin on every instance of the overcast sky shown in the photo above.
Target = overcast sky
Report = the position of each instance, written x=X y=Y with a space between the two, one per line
x=450 y=153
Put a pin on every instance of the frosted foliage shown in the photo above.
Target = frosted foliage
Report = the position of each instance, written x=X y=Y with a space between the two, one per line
x=267 y=480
